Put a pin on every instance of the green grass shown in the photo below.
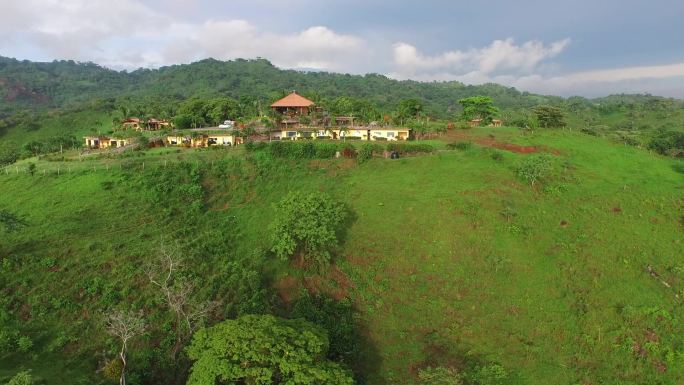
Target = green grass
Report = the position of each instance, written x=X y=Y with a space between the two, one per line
x=452 y=259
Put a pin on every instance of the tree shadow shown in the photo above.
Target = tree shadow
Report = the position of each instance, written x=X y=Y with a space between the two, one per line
x=348 y=336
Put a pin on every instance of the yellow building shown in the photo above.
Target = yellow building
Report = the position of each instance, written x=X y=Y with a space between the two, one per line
x=102 y=142
x=358 y=133
x=204 y=140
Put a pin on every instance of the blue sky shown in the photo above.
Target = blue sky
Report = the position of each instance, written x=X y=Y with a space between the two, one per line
x=590 y=48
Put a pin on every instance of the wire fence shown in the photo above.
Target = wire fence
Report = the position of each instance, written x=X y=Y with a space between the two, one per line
x=72 y=168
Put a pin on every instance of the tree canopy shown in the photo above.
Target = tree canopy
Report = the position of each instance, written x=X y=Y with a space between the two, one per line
x=307 y=224
x=264 y=350
x=549 y=116
x=479 y=107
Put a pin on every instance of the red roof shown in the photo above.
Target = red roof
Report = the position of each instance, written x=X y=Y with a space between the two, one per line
x=293 y=100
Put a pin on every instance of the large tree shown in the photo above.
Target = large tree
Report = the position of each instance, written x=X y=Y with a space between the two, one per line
x=306 y=225
x=263 y=350
x=549 y=116
x=479 y=107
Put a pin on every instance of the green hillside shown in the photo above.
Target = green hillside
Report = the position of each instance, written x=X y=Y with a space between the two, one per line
x=449 y=259
x=59 y=102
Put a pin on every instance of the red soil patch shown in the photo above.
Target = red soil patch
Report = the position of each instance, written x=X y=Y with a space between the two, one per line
x=617 y=210
x=516 y=148
x=334 y=283
x=287 y=288
x=490 y=141
x=25 y=312
x=358 y=261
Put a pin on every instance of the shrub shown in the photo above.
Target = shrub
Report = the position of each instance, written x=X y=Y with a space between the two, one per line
x=410 y=148
x=23 y=378
x=365 y=153
x=112 y=369
x=307 y=225
x=439 y=376
x=24 y=344
x=497 y=156
x=491 y=374
x=460 y=146
x=668 y=143
x=535 y=168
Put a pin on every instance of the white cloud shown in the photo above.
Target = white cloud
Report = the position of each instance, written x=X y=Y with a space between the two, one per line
x=500 y=55
x=666 y=80
x=525 y=67
x=129 y=34
x=316 y=47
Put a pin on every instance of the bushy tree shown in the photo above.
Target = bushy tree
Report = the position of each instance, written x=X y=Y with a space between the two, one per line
x=9 y=154
x=409 y=108
x=479 y=107
x=263 y=350
x=550 y=117
x=535 y=168
x=307 y=225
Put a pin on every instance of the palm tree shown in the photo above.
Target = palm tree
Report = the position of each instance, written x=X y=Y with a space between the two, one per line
x=344 y=129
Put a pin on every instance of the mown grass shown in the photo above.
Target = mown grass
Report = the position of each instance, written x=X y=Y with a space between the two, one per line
x=452 y=259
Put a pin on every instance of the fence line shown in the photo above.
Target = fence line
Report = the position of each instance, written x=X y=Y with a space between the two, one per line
x=63 y=170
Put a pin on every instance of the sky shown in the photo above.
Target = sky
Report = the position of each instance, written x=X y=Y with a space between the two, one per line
x=572 y=47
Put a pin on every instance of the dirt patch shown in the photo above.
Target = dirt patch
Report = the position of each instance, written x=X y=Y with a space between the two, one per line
x=617 y=210
x=490 y=141
x=288 y=289
x=516 y=148
x=358 y=260
x=564 y=223
x=25 y=312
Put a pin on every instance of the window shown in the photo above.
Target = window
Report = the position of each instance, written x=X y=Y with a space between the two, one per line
x=390 y=134
x=291 y=134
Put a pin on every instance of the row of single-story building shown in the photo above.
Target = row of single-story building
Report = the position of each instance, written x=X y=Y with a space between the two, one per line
x=102 y=142
x=359 y=133
x=227 y=138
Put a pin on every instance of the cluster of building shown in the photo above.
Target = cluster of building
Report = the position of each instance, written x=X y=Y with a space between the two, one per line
x=151 y=124
x=292 y=108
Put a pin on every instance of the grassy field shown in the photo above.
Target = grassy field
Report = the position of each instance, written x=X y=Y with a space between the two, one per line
x=450 y=258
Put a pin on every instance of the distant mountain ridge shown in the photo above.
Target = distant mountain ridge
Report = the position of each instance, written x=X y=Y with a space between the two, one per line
x=64 y=84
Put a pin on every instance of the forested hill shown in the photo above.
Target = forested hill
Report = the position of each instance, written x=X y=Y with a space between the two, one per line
x=57 y=102
x=60 y=84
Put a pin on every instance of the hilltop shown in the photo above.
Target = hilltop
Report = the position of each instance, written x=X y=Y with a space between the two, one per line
x=449 y=259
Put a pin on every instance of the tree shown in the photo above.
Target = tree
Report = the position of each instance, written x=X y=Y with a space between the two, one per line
x=479 y=107
x=409 y=108
x=549 y=116
x=306 y=224
x=535 y=168
x=8 y=154
x=263 y=350
x=125 y=326
x=177 y=293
